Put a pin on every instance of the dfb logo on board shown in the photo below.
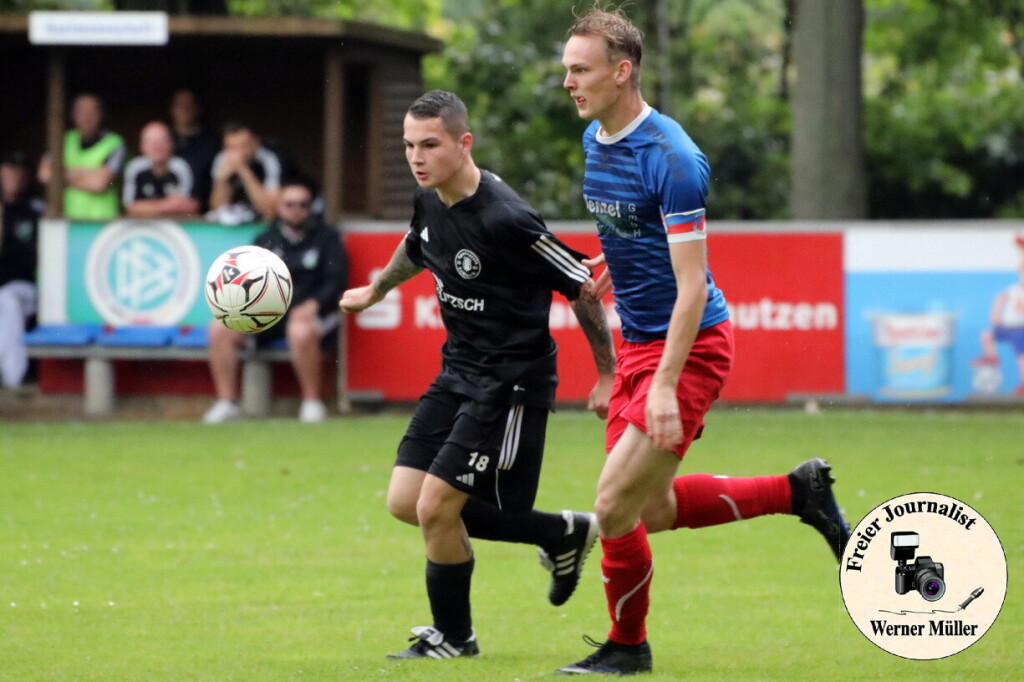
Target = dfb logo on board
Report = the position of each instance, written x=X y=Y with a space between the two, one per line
x=142 y=272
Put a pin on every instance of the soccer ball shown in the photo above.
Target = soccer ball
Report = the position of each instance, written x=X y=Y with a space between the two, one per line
x=248 y=289
x=986 y=378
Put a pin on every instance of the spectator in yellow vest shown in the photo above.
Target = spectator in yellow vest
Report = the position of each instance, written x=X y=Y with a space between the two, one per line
x=92 y=159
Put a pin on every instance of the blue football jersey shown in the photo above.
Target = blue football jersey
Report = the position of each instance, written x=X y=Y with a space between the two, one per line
x=646 y=187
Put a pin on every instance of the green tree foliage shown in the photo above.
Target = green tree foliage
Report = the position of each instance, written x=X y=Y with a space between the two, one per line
x=724 y=90
x=944 y=101
x=944 y=97
x=408 y=14
x=505 y=64
x=944 y=108
x=22 y=6
x=730 y=96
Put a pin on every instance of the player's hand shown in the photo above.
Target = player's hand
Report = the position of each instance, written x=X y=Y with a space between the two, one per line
x=230 y=164
x=359 y=299
x=597 y=401
x=664 y=425
x=603 y=284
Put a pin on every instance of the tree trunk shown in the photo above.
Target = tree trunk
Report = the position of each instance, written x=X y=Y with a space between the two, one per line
x=656 y=57
x=827 y=140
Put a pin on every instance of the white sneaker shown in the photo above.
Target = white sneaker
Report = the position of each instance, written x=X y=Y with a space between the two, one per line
x=222 y=411
x=312 y=412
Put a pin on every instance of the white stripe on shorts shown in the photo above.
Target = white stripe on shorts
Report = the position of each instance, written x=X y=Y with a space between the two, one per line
x=510 y=444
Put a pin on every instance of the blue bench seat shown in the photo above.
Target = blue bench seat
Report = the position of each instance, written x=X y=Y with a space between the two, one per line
x=63 y=335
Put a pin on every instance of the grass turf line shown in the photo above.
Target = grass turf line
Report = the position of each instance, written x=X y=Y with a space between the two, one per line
x=263 y=551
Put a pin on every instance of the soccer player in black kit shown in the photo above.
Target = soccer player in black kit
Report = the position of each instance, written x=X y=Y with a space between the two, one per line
x=470 y=460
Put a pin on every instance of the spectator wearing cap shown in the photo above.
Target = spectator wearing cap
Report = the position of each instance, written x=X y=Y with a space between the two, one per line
x=317 y=261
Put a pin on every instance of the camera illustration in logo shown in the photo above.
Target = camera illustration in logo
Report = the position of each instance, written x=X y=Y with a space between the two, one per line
x=924 y=575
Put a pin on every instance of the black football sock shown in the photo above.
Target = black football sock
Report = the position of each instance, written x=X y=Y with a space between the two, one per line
x=486 y=522
x=448 y=591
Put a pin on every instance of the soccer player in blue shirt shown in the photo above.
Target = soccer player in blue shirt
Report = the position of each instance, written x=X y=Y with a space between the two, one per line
x=646 y=184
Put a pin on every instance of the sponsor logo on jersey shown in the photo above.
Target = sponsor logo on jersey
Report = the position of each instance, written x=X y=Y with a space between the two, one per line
x=467 y=264
x=607 y=208
x=475 y=305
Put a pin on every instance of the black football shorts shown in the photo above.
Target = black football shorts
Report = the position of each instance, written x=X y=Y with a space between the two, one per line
x=490 y=451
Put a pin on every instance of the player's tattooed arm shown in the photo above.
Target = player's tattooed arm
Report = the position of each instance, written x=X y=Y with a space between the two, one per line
x=594 y=323
x=399 y=269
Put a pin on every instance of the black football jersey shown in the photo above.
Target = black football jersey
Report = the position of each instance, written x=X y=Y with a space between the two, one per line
x=495 y=265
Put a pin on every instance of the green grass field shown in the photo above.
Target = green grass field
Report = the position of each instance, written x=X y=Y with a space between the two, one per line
x=263 y=551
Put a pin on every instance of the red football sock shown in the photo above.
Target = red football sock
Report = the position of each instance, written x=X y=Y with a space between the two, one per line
x=705 y=500
x=626 y=569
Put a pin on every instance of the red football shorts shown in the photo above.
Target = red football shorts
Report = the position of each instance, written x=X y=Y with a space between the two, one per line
x=699 y=384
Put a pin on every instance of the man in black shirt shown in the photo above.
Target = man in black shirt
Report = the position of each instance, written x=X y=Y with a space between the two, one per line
x=157 y=183
x=470 y=461
x=246 y=178
x=19 y=217
x=194 y=143
x=318 y=265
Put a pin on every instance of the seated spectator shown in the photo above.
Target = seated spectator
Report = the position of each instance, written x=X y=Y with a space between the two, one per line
x=194 y=142
x=314 y=255
x=19 y=218
x=92 y=160
x=158 y=183
x=246 y=177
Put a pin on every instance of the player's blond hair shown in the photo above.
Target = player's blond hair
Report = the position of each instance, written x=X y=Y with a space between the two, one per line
x=623 y=39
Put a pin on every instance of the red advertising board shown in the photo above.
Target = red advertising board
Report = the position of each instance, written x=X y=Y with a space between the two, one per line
x=785 y=293
x=394 y=347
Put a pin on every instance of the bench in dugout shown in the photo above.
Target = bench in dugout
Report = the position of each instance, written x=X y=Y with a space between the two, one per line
x=98 y=347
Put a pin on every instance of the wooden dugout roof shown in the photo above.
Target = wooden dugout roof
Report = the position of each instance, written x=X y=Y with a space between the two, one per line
x=331 y=93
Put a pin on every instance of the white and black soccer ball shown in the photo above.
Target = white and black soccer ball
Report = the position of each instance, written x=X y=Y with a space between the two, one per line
x=986 y=378
x=248 y=289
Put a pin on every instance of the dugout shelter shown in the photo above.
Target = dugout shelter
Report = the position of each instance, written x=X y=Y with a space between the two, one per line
x=332 y=94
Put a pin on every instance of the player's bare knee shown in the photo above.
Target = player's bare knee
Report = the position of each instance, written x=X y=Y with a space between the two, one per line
x=302 y=335
x=428 y=511
x=436 y=511
x=403 y=509
x=612 y=515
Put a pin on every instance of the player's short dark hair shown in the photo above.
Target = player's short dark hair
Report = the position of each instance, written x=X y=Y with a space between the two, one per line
x=446 y=106
x=299 y=182
x=624 y=39
x=232 y=127
x=15 y=157
x=89 y=95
